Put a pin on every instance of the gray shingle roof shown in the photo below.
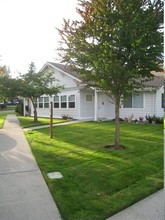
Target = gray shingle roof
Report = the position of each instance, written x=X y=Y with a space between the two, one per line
x=156 y=82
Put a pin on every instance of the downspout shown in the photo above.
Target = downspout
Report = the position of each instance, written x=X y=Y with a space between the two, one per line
x=154 y=113
x=79 y=93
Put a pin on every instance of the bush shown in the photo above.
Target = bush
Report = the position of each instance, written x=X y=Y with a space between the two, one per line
x=19 y=108
x=65 y=117
x=2 y=106
x=157 y=120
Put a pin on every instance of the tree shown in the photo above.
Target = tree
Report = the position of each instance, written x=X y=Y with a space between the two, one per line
x=4 y=76
x=115 y=45
x=32 y=85
x=4 y=70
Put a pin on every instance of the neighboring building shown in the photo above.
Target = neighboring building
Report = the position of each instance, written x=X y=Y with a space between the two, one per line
x=81 y=102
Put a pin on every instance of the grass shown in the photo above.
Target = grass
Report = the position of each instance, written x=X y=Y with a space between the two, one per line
x=2 y=119
x=99 y=182
x=29 y=121
x=9 y=108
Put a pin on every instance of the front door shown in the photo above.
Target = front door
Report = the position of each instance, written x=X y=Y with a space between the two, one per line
x=102 y=104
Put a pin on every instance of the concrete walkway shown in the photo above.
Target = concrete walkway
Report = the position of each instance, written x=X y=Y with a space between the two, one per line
x=24 y=194
x=150 y=208
x=55 y=125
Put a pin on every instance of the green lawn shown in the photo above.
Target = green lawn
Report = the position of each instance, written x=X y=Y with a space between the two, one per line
x=26 y=121
x=2 y=118
x=99 y=182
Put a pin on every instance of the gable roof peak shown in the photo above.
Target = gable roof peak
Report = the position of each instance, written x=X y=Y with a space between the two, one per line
x=65 y=68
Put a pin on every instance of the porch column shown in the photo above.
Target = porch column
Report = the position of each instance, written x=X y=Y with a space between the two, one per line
x=96 y=106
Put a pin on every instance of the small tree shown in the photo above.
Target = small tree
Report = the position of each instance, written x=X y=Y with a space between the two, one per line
x=115 y=45
x=4 y=75
x=32 y=85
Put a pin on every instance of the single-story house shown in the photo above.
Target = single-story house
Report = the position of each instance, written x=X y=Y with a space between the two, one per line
x=81 y=102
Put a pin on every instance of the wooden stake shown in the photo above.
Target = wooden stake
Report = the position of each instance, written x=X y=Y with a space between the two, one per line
x=51 y=119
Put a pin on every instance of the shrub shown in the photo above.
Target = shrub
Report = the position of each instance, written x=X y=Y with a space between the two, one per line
x=157 y=120
x=19 y=108
x=2 y=106
x=65 y=117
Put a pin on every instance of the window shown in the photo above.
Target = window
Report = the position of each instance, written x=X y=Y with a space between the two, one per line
x=135 y=101
x=56 y=101
x=41 y=102
x=71 y=101
x=63 y=101
x=138 y=100
x=88 y=98
x=163 y=101
x=46 y=102
x=128 y=102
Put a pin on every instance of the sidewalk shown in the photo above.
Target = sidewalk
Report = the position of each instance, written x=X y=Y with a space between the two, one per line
x=54 y=125
x=150 y=208
x=24 y=194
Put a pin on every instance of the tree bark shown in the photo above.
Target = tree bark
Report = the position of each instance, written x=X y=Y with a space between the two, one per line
x=117 y=124
x=35 y=111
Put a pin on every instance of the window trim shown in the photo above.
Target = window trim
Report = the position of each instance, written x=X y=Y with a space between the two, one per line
x=73 y=102
x=62 y=102
x=40 y=102
x=46 y=103
x=55 y=102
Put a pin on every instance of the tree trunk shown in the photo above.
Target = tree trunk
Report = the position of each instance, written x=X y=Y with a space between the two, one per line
x=35 y=111
x=117 y=125
x=35 y=115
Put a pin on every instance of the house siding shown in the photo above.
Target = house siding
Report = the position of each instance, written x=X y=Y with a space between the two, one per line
x=71 y=112
x=58 y=112
x=62 y=79
x=151 y=101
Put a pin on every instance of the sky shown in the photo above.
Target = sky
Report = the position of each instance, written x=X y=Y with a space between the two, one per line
x=28 y=31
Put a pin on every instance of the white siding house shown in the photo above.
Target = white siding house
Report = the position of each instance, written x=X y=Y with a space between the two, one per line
x=80 y=102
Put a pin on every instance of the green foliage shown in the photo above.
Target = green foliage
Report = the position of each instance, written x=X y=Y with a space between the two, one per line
x=30 y=85
x=33 y=84
x=115 y=45
x=98 y=181
x=19 y=108
x=2 y=106
x=157 y=120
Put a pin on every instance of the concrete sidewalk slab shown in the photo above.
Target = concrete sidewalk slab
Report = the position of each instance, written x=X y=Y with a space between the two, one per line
x=150 y=208
x=24 y=193
x=55 y=125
